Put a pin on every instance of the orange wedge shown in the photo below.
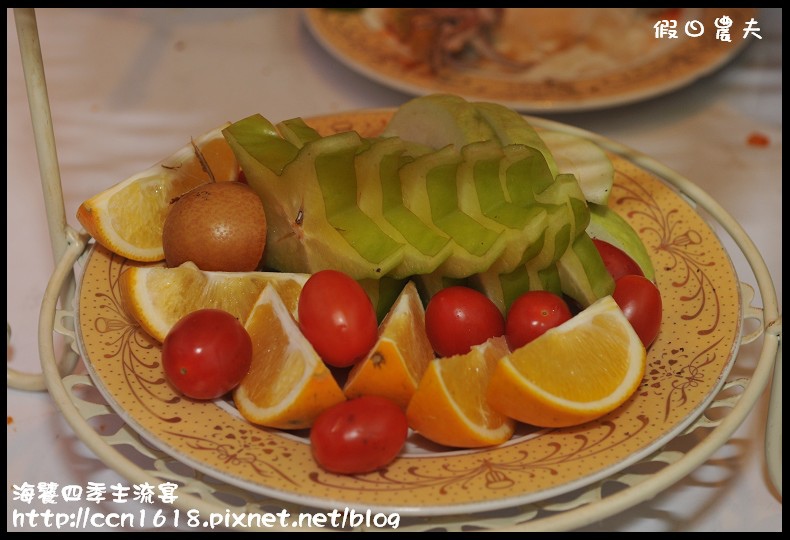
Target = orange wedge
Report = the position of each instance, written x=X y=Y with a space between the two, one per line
x=574 y=373
x=288 y=385
x=128 y=218
x=394 y=366
x=450 y=407
x=157 y=297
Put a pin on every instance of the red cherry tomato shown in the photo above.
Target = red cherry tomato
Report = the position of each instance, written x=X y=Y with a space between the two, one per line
x=458 y=318
x=359 y=435
x=531 y=314
x=337 y=317
x=617 y=261
x=206 y=353
x=640 y=301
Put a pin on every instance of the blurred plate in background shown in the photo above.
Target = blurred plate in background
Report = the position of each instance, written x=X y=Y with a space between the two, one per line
x=533 y=59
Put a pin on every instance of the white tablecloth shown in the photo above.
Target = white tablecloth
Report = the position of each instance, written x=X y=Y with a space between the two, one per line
x=127 y=85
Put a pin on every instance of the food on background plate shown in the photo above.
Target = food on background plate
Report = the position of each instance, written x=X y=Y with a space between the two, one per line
x=570 y=43
x=442 y=37
x=530 y=43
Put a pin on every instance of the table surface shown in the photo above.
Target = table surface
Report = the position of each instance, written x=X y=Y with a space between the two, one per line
x=127 y=85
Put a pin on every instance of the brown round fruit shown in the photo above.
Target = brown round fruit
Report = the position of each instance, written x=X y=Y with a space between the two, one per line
x=219 y=226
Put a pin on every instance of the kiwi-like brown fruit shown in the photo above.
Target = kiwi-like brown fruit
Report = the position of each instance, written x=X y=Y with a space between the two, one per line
x=219 y=226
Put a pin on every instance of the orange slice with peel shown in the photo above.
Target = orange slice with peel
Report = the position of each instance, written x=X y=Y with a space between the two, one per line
x=450 y=407
x=574 y=373
x=128 y=217
x=288 y=385
x=157 y=297
x=396 y=363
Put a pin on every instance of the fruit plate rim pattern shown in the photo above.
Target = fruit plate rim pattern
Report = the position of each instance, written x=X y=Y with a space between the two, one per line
x=681 y=380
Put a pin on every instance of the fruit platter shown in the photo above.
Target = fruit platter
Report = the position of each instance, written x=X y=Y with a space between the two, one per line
x=132 y=297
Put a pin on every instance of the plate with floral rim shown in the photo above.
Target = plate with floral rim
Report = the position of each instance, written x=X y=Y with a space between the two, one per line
x=544 y=60
x=687 y=366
